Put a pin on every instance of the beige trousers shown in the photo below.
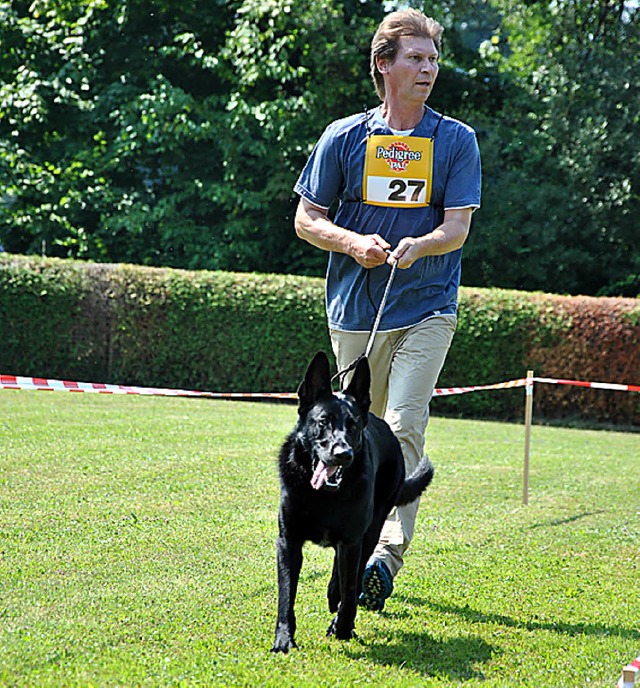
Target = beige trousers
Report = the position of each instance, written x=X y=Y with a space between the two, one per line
x=405 y=365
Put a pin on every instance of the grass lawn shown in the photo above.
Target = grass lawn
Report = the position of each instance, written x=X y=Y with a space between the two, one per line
x=137 y=549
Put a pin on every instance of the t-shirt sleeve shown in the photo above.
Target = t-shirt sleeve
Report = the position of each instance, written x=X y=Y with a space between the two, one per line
x=322 y=178
x=464 y=180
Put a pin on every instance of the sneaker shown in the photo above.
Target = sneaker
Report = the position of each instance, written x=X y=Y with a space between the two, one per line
x=377 y=585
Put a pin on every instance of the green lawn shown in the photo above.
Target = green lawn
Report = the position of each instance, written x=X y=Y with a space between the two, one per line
x=137 y=549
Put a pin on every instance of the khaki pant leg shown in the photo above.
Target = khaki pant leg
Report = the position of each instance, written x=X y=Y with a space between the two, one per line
x=417 y=360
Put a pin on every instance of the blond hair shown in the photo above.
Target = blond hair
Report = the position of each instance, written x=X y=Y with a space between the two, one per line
x=386 y=41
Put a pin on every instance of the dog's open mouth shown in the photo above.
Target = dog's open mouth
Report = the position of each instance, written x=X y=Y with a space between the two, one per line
x=325 y=476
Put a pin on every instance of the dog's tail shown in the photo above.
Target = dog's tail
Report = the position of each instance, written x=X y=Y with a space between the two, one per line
x=416 y=483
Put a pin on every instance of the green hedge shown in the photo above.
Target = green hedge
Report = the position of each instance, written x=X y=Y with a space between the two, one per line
x=255 y=333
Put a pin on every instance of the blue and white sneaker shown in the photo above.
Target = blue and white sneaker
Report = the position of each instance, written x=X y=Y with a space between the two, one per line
x=377 y=585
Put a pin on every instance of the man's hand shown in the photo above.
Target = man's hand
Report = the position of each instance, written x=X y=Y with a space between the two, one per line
x=369 y=250
x=406 y=253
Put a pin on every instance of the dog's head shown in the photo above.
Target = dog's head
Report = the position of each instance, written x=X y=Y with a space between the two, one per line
x=331 y=426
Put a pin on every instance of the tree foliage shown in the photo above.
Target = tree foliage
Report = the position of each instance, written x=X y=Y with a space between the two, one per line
x=566 y=186
x=171 y=133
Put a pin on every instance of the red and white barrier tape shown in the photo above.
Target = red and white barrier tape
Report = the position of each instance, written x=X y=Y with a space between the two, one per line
x=45 y=384
x=593 y=385
x=447 y=391
x=50 y=385
x=629 y=674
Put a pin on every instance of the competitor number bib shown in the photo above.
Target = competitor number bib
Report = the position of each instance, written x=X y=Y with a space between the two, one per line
x=398 y=171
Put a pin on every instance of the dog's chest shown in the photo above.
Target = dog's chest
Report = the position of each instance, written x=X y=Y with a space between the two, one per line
x=330 y=537
x=329 y=521
x=326 y=540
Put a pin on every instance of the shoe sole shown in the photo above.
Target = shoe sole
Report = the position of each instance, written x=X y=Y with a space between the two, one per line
x=375 y=589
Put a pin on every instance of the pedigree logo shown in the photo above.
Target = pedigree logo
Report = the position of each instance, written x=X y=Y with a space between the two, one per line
x=398 y=155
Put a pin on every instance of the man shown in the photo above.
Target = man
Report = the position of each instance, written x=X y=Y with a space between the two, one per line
x=407 y=180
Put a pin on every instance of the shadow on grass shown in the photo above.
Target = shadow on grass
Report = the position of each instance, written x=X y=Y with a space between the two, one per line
x=568 y=519
x=456 y=659
x=571 y=629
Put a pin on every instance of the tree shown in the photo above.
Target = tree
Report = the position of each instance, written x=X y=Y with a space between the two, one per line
x=117 y=158
x=561 y=214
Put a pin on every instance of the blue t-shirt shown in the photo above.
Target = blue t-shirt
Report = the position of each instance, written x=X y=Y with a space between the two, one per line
x=335 y=169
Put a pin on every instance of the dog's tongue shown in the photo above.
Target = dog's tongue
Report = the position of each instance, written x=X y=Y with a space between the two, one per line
x=322 y=474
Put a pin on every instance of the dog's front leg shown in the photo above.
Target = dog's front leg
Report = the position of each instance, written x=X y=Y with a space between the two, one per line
x=348 y=564
x=289 y=555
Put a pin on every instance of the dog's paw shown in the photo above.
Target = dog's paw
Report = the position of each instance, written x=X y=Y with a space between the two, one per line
x=341 y=631
x=283 y=643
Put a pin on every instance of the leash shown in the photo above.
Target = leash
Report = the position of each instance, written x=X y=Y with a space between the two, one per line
x=372 y=335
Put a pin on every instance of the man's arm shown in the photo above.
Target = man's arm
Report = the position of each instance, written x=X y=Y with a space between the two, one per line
x=449 y=236
x=313 y=225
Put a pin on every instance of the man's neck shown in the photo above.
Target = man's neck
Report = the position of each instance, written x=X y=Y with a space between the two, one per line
x=402 y=117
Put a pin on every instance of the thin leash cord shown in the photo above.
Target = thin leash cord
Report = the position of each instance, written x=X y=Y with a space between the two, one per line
x=383 y=303
x=340 y=375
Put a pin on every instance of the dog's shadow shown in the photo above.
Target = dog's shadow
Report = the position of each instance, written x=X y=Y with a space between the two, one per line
x=461 y=658
x=469 y=614
x=455 y=659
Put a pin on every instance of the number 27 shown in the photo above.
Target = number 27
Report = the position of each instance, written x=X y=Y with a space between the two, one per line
x=399 y=188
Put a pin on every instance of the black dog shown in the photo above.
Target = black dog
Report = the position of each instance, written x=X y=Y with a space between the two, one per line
x=341 y=472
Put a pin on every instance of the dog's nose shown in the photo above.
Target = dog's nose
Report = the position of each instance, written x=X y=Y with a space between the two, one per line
x=342 y=454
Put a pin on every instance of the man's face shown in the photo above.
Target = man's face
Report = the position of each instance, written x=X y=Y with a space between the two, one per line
x=411 y=76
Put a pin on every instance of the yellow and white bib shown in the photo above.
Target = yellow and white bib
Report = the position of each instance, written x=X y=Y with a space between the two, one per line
x=398 y=171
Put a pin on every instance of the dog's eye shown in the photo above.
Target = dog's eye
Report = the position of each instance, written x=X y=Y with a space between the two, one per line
x=352 y=424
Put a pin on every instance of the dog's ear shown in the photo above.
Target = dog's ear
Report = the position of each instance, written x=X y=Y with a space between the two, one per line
x=317 y=381
x=359 y=387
